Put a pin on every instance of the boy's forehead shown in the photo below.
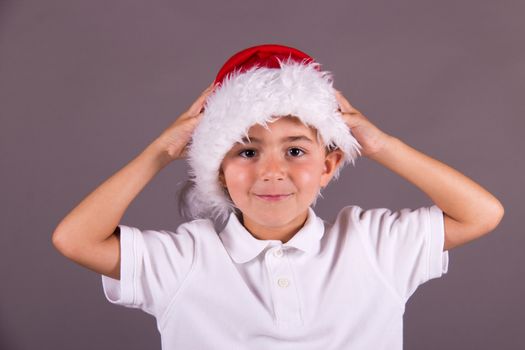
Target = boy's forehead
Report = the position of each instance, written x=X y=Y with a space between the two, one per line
x=285 y=125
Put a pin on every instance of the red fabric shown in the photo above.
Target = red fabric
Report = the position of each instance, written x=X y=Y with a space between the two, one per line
x=262 y=55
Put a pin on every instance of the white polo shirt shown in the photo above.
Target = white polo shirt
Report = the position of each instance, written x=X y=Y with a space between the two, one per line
x=340 y=285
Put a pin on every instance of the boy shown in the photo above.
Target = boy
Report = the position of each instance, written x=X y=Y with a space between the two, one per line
x=277 y=276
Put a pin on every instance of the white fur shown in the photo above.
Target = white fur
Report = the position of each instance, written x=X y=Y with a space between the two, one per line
x=257 y=96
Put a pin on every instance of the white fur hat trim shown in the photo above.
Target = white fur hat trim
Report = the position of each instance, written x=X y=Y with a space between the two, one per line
x=259 y=95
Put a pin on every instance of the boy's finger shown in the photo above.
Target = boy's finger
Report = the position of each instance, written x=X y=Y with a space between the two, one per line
x=344 y=102
x=196 y=107
x=199 y=102
x=210 y=87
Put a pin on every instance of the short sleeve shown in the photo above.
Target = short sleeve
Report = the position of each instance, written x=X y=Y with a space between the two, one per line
x=407 y=245
x=153 y=264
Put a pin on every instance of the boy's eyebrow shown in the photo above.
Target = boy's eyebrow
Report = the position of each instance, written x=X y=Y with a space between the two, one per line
x=284 y=139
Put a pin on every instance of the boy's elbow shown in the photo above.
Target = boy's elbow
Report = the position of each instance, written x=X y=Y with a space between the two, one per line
x=500 y=212
x=495 y=217
x=59 y=243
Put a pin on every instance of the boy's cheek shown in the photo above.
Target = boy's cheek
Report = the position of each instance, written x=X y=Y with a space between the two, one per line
x=238 y=180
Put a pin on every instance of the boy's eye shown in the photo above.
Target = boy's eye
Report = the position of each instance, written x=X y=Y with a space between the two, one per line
x=246 y=151
x=295 y=152
x=296 y=149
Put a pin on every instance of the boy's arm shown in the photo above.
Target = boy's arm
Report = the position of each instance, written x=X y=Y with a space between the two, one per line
x=470 y=211
x=88 y=235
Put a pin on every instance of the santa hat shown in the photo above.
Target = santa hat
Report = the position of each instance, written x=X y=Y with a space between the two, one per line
x=255 y=86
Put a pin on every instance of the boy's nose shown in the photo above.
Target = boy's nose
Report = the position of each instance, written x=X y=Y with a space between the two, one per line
x=273 y=168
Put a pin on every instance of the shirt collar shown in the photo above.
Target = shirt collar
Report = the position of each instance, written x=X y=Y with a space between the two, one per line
x=243 y=247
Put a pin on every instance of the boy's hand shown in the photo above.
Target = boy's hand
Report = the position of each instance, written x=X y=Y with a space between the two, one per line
x=367 y=134
x=174 y=140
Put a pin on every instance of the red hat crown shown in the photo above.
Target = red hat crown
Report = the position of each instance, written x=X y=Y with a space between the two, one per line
x=266 y=55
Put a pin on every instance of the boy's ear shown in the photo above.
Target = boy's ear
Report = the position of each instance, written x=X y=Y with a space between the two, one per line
x=332 y=162
x=221 y=178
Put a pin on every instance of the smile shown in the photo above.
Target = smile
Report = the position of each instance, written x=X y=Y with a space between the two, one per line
x=274 y=198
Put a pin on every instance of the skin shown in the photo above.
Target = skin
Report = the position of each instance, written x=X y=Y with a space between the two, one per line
x=87 y=235
x=272 y=166
x=469 y=210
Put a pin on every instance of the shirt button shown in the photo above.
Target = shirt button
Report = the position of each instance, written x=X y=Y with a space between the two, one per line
x=283 y=282
x=278 y=253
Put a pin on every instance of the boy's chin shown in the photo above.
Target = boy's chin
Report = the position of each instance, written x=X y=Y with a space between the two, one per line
x=273 y=217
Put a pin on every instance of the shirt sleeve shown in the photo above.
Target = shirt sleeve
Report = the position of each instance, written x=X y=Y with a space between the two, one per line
x=407 y=245
x=153 y=264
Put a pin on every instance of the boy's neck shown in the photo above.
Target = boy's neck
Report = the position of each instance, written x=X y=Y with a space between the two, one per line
x=282 y=233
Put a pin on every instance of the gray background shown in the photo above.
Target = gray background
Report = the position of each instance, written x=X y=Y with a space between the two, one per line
x=86 y=85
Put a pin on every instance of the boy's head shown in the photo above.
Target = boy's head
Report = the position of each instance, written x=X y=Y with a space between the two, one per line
x=287 y=158
x=267 y=92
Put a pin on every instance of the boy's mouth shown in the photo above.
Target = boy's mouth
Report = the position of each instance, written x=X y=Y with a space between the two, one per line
x=273 y=197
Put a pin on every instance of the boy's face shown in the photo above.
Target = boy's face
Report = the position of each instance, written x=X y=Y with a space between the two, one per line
x=269 y=164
